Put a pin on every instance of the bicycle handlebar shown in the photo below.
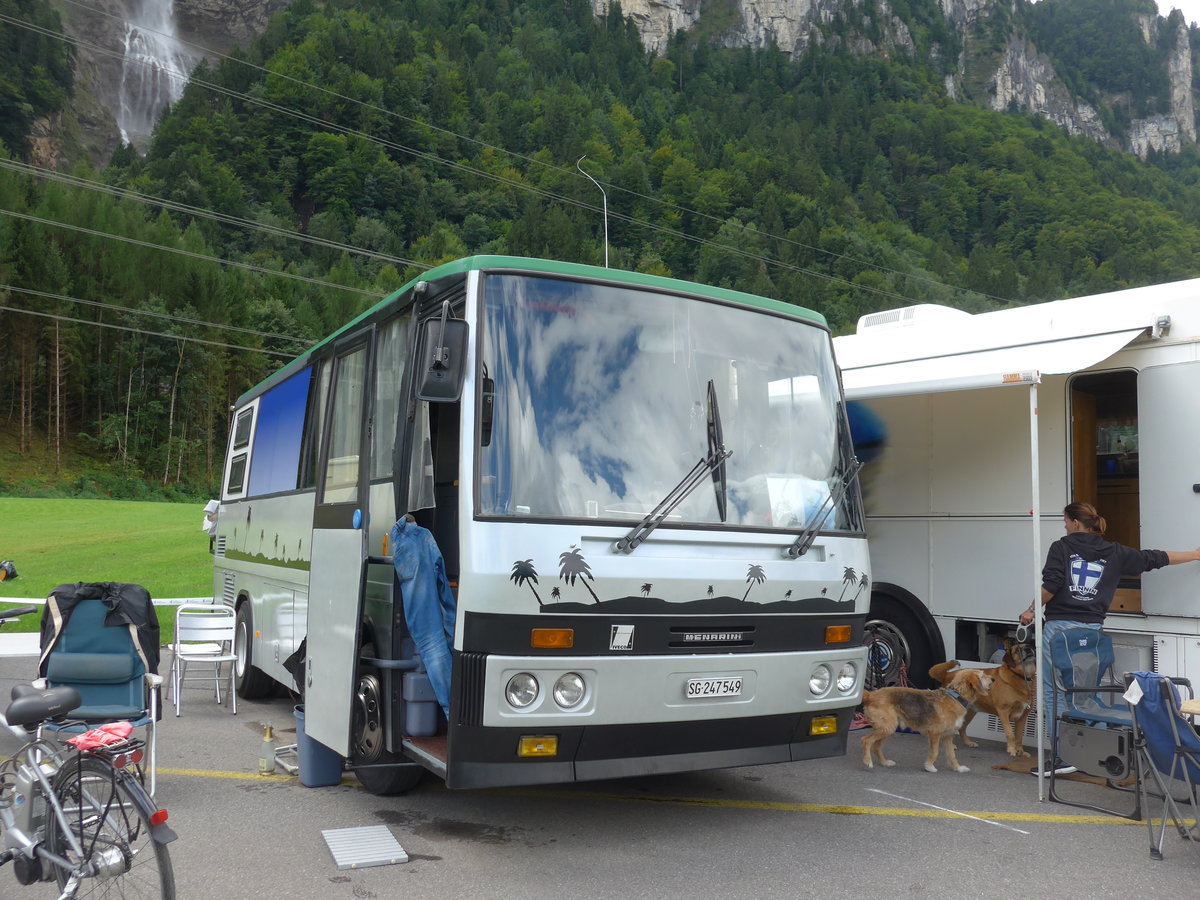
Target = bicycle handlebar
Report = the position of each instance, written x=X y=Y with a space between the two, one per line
x=11 y=615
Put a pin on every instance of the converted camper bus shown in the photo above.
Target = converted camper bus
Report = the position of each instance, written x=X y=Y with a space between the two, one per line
x=983 y=427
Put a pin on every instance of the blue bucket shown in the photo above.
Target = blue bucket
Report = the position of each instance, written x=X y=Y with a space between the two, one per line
x=319 y=766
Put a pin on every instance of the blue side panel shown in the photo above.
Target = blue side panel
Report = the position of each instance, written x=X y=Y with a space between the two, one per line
x=276 y=459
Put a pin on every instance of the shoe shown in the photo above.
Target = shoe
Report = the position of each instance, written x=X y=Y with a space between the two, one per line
x=1057 y=768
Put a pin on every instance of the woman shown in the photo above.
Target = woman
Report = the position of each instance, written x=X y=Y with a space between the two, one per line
x=1080 y=578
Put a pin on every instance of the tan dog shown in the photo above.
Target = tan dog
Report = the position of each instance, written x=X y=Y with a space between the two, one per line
x=936 y=714
x=1009 y=699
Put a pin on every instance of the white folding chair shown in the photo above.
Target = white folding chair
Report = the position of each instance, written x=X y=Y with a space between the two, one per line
x=204 y=634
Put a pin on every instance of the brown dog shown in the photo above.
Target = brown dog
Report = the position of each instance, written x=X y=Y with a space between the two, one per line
x=1009 y=699
x=935 y=714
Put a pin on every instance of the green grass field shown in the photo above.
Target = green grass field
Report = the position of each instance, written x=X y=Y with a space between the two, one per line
x=53 y=542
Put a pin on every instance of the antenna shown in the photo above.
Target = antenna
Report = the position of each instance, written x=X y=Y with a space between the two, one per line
x=605 y=196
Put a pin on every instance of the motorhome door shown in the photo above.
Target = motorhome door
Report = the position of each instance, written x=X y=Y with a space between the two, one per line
x=1169 y=473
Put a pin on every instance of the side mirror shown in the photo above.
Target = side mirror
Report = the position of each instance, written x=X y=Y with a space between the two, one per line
x=442 y=358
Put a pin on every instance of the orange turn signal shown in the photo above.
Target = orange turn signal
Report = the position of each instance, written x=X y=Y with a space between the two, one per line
x=538 y=745
x=552 y=638
x=823 y=725
x=837 y=634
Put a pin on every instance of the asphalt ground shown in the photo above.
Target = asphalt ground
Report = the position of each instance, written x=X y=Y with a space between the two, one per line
x=825 y=828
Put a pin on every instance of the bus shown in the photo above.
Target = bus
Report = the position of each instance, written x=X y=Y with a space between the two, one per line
x=642 y=496
x=982 y=428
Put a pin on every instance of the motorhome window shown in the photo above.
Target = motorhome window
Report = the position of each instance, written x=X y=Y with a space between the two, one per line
x=276 y=463
x=390 y=355
x=600 y=406
x=1105 y=450
x=345 y=431
x=241 y=429
x=237 y=475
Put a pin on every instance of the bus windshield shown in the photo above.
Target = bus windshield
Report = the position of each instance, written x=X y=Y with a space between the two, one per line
x=598 y=407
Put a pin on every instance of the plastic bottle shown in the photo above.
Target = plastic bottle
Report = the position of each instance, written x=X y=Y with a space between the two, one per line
x=266 y=757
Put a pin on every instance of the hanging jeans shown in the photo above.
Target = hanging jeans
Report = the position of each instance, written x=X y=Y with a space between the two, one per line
x=429 y=605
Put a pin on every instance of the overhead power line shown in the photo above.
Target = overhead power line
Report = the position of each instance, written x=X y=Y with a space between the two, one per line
x=183 y=320
x=174 y=337
x=225 y=262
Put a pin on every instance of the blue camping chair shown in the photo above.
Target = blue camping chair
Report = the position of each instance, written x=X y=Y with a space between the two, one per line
x=106 y=664
x=1093 y=731
x=1168 y=751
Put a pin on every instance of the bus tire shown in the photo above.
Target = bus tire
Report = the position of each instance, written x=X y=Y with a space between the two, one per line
x=251 y=682
x=899 y=649
x=380 y=771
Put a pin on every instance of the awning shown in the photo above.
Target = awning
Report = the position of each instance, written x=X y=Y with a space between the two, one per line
x=1020 y=364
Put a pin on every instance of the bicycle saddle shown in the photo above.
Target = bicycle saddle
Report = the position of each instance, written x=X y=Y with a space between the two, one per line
x=31 y=707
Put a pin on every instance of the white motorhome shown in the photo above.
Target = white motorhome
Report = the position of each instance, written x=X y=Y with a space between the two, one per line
x=987 y=425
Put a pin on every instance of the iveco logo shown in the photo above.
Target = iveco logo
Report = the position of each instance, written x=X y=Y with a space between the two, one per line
x=710 y=636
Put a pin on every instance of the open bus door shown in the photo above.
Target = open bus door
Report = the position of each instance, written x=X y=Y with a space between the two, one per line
x=1169 y=480
x=338 y=550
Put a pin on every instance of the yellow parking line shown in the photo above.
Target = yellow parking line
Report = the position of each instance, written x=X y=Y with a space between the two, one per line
x=725 y=803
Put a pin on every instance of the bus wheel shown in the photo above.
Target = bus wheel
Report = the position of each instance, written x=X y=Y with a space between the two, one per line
x=252 y=683
x=897 y=650
x=381 y=772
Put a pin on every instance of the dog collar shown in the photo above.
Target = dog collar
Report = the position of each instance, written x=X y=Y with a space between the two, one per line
x=957 y=697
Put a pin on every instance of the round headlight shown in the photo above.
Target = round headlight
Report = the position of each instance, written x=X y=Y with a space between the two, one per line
x=522 y=690
x=819 y=680
x=847 y=677
x=568 y=690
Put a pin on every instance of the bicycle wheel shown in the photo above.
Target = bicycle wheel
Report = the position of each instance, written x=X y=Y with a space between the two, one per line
x=109 y=814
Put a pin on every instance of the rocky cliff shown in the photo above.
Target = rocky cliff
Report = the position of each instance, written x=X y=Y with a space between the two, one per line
x=1019 y=77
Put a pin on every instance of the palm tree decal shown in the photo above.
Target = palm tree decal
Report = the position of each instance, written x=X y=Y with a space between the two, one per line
x=863 y=581
x=572 y=565
x=646 y=589
x=555 y=593
x=756 y=575
x=524 y=573
x=788 y=595
x=710 y=590
x=849 y=576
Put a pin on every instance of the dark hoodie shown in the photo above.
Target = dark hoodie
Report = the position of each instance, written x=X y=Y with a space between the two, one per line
x=1082 y=571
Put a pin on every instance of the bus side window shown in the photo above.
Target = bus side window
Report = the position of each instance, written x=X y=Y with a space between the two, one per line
x=313 y=422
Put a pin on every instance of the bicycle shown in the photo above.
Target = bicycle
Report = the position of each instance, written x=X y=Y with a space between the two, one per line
x=76 y=812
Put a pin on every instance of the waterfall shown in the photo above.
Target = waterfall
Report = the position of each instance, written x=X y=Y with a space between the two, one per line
x=154 y=69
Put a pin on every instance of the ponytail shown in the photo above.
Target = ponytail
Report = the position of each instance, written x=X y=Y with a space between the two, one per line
x=1085 y=514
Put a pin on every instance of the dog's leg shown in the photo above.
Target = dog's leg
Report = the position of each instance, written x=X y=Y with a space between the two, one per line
x=933 y=752
x=962 y=732
x=1019 y=735
x=951 y=756
x=1014 y=746
x=868 y=750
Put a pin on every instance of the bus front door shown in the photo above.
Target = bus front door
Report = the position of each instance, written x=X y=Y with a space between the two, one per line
x=338 y=550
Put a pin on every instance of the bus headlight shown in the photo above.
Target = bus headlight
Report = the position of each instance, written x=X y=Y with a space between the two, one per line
x=847 y=677
x=522 y=689
x=569 y=690
x=819 y=680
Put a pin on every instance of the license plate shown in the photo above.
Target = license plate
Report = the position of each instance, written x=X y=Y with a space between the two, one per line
x=699 y=688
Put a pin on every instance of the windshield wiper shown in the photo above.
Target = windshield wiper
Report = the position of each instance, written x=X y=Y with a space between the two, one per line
x=713 y=462
x=802 y=543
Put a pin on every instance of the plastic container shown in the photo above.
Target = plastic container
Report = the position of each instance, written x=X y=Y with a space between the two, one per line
x=420 y=705
x=319 y=766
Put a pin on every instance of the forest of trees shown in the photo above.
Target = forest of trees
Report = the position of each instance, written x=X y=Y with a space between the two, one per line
x=359 y=142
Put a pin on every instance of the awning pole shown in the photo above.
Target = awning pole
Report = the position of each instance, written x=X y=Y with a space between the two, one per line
x=1035 y=511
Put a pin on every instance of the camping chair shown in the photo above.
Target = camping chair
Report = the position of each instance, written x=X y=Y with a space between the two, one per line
x=108 y=668
x=204 y=635
x=1094 y=729
x=1168 y=751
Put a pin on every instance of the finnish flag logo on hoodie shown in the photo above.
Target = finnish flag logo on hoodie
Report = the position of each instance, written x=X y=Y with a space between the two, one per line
x=1085 y=575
